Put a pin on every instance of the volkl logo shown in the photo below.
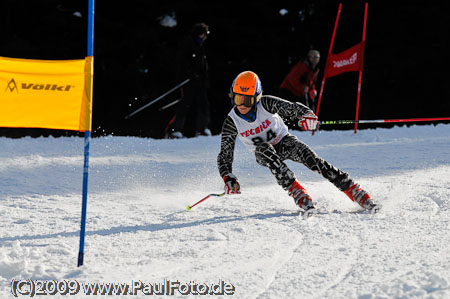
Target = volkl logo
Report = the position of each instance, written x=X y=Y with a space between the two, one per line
x=344 y=62
x=12 y=85
x=46 y=86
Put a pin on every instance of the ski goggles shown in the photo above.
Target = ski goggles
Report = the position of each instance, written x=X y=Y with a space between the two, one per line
x=247 y=101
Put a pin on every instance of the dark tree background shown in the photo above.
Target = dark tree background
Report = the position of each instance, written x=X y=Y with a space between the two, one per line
x=405 y=55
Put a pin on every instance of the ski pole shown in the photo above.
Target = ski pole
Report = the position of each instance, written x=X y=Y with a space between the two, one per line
x=205 y=198
x=170 y=104
x=346 y=122
x=157 y=99
x=307 y=100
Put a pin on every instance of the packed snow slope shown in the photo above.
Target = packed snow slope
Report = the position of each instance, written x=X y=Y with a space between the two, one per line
x=138 y=227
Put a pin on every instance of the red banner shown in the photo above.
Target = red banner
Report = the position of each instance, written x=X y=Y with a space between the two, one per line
x=349 y=60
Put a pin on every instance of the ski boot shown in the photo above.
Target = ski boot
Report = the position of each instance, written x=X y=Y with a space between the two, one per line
x=302 y=199
x=364 y=199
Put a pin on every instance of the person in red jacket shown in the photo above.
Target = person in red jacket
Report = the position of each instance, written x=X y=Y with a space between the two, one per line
x=299 y=84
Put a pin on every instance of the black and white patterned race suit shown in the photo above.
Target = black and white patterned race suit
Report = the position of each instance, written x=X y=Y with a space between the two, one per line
x=271 y=154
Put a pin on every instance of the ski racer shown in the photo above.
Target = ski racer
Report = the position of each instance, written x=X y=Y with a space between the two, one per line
x=255 y=120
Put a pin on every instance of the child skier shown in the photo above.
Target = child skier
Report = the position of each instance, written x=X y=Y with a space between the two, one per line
x=255 y=120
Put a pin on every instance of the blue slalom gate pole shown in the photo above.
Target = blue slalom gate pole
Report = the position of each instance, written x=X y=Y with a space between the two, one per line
x=87 y=141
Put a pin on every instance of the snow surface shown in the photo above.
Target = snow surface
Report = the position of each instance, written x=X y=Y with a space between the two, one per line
x=138 y=227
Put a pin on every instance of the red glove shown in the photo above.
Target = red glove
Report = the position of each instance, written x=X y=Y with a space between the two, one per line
x=231 y=184
x=308 y=122
x=312 y=93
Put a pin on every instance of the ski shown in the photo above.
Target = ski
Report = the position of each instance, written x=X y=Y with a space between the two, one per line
x=309 y=213
x=312 y=212
x=374 y=209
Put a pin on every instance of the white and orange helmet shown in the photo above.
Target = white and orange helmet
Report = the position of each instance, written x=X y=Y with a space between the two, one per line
x=246 y=89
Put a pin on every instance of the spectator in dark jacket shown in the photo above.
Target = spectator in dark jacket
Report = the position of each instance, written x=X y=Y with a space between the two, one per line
x=299 y=84
x=192 y=64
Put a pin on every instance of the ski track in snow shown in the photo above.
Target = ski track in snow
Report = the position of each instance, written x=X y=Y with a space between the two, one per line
x=138 y=227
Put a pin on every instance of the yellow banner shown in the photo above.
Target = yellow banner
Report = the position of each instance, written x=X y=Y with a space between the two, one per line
x=52 y=94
